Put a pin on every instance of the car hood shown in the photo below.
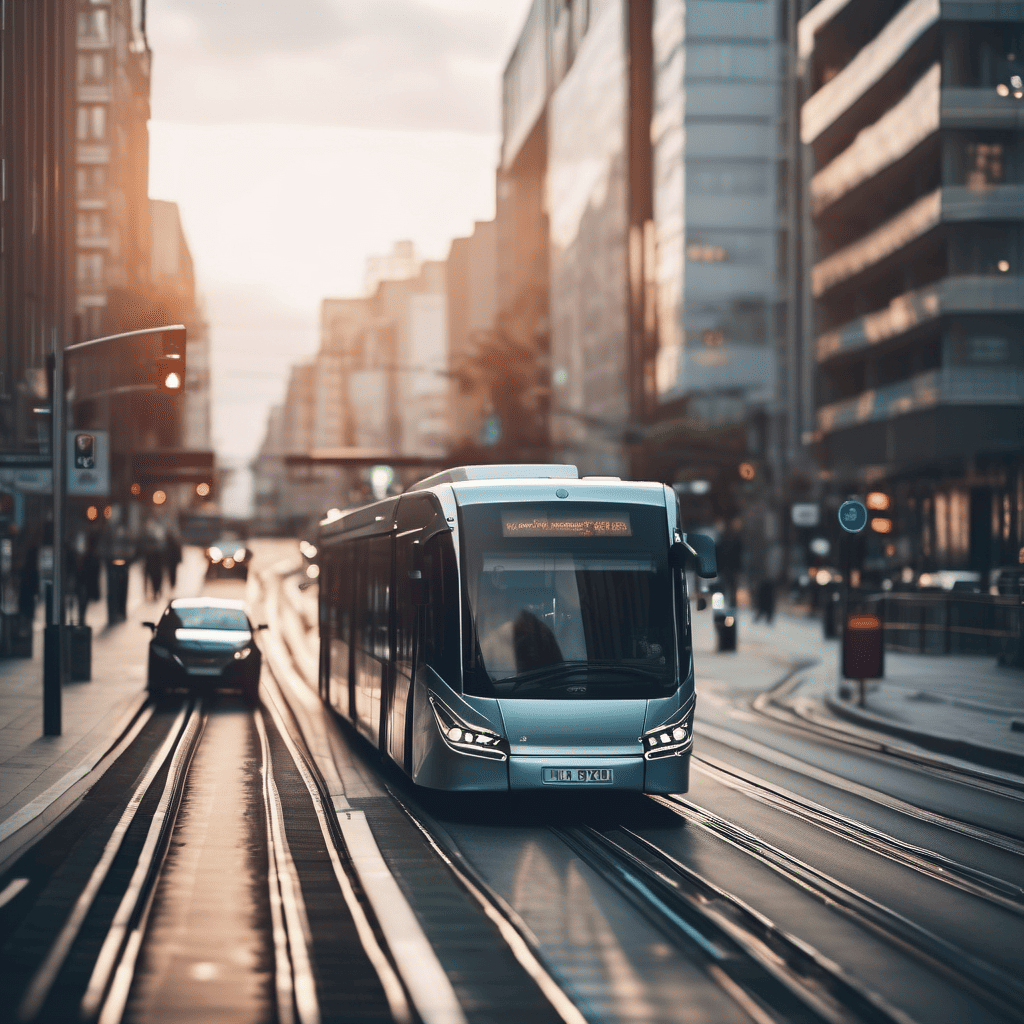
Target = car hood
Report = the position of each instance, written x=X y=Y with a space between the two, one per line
x=600 y=728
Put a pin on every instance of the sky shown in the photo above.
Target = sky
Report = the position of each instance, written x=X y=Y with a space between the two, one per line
x=298 y=139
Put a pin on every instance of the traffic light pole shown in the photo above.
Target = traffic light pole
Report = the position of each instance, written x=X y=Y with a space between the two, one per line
x=55 y=662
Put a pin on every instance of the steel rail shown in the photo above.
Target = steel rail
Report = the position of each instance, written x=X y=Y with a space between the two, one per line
x=512 y=928
x=749 y=925
x=387 y=973
x=781 y=759
x=991 y=985
x=767 y=705
x=46 y=974
x=107 y=991
x=735 y=956
x=295 y=983
x=934 y=865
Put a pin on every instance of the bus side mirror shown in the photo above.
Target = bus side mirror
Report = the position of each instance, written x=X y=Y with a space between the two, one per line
x=704 y=548
x=700 y=547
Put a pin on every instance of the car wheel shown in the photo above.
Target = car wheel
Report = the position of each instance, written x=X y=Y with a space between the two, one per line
x=155 y=683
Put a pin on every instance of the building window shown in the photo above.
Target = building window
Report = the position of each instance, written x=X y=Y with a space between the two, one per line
x=728 y=178
x=82 y=131
x=90 y=268
x=98 y=122
x=94 y=26
x=984 y=165
x=90 y=225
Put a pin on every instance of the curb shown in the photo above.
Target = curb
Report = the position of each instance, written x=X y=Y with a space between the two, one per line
x=29 y=822
x=1004 y=760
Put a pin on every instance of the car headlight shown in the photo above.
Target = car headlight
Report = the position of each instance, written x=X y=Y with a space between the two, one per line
x=240 y=555
x=466 y=738
x=671 y=738
x=242 y=654
x=215 y=554
x=160 y=652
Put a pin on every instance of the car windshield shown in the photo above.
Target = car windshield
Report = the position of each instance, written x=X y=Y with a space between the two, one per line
x=208 y=618
x=567 y=603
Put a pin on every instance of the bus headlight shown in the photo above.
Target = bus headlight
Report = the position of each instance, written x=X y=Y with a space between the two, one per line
x=668 y=739
x=466 y=738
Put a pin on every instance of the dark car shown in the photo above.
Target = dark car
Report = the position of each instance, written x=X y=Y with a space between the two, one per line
x=203 y=644
x=228 y=557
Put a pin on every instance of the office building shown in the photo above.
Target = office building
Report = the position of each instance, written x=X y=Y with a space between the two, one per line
x=913 y=133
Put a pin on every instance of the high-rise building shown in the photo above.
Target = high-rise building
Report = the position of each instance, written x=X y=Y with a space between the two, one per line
x=913 y=128
x=112 y=164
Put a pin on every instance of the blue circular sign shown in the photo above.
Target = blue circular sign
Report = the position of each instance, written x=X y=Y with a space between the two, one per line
x=853 y=516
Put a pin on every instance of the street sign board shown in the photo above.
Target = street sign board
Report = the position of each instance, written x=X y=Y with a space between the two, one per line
x=853 y=516
x=805 y=514
x=88 y=463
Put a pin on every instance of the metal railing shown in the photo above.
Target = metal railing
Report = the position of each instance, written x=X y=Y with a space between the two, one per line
x=951 y=623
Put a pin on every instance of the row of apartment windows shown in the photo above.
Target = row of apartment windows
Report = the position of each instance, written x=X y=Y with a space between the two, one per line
x=92 y=123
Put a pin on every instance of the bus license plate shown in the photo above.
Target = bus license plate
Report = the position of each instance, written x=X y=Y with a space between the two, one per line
x=577 y=775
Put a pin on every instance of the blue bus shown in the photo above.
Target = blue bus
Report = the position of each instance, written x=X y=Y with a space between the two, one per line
x=515 y=627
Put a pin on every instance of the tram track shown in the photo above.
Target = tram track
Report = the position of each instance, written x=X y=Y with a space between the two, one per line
x=769 y=705
x=48 y=982
x=744 y=745
x=934 y=865
x=995 y=988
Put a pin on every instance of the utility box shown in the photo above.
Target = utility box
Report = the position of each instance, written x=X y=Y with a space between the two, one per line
x=79 y=653
x=863 y=647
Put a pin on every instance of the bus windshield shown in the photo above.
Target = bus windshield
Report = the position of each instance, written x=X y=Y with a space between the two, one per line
x=567 y=602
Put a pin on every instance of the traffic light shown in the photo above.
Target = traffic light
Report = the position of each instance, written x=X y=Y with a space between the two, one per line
x=171 y=365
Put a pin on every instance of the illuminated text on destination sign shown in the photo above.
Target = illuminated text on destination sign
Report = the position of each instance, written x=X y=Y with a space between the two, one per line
x=515 y=524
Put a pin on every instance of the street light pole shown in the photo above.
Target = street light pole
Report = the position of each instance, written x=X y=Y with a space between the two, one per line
x=54 y=662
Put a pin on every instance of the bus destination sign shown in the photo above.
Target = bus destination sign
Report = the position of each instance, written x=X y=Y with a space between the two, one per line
x=516 y=524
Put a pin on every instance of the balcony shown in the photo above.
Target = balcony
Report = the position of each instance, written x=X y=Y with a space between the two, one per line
x=951 y=204
x=868 y=68
x=907 y=312
x=882 y=144
x=950 y=385
x=981 y=108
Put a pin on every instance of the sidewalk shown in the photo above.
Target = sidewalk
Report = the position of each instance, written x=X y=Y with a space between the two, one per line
x=962 y=706
x=94 y=714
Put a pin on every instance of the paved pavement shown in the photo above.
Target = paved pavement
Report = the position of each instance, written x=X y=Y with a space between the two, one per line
x=34 y=769
x=962 y=706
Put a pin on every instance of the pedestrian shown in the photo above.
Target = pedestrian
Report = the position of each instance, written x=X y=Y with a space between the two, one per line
x=172 y=557
x=87 y=580
x=154 y=569
x=765 y=600
x=120 y=553
x=28 y=587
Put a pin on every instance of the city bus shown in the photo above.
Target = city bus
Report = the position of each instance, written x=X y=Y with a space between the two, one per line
x=515 y=627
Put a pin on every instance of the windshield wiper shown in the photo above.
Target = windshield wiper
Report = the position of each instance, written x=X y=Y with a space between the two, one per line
x=561 y=669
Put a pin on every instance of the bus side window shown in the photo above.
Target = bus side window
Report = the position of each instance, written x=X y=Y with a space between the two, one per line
x=441 y=639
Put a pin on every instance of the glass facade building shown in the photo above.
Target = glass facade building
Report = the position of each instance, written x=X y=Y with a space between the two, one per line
x=716 y=153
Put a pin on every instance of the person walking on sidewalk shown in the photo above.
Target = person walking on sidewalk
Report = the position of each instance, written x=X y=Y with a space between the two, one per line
x=765 y=600
x=172 y=557
x=87 y=579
